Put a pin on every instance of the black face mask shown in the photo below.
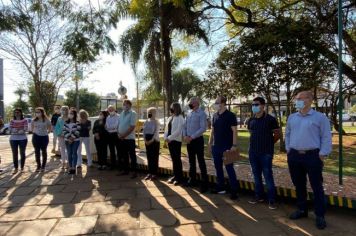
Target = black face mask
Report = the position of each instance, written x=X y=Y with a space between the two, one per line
x=149 y=115
x=172 y=110
x=191 y=106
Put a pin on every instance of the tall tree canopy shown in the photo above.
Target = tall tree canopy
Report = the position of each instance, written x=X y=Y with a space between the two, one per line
x=151 y=36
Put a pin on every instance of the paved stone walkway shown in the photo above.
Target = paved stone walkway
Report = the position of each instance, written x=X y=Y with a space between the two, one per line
x=101 y=203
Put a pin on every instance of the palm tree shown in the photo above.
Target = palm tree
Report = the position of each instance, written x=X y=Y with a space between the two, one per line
x=150 y=36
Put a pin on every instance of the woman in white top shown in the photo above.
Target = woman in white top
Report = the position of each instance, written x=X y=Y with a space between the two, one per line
x=173 y=136
x=41 y=126
x=151 y=136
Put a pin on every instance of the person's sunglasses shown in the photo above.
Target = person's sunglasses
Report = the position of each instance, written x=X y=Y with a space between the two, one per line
x=255 y=104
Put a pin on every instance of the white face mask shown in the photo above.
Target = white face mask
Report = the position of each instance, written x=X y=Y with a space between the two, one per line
x=70 y=116
x=112 y=113
x=63 y=113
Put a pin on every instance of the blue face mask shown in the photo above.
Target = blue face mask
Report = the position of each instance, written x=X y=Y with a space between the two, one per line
x=299 y=104
x=256 y=109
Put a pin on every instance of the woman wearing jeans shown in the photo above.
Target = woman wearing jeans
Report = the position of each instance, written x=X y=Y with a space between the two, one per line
x=41 y=126
x=71 y=136
x=151 y=136
x=173 y=136
x=58 y=129
x=85 y=126
x=18 y=138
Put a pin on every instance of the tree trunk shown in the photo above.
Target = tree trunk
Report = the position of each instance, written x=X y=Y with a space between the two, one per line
x=38 y=89
x=288 y=96
x=166 y=58
x=334 y=114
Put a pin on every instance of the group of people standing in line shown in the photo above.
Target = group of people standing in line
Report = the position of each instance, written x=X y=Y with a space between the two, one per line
x=307 y=138
x=69 y=130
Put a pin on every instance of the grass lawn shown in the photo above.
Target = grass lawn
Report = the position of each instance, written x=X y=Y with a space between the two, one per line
x=280 y=159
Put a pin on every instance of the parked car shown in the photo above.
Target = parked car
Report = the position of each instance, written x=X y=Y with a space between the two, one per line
x=5 y=129
x=29 y=127
x=346 y=117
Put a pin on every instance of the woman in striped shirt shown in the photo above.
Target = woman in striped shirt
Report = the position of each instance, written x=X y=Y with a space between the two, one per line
x=18 y=138
x=71 y=135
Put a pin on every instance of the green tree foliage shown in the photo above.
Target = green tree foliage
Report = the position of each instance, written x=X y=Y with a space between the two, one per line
x=36 y=47
x=10 y=21
x=88 y=101
x=150 y=37
x=20 y=103
x=270 y=60
x=88 y=33
x=185 y=83
x=49 y=93
x=218 y=82
x=307 y=17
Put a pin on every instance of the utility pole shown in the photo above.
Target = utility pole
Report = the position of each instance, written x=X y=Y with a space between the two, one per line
x=341 y=100
x=163 y=74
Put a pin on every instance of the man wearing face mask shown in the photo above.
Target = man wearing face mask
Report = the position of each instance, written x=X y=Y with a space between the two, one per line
x=223 y=137
x=264 y=132
x=54 y=119
x=194 y=128
x=111 y=126
x=308 y=143
x=126 y=130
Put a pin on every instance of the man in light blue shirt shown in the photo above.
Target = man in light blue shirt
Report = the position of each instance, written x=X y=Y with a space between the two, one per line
x=308 y=142
x=126 y=131
x=195 y=126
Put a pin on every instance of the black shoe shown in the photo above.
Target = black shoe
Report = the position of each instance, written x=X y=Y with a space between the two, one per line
x=320 y=222
x=234 y=196
x=298 y=214
x=176 y=183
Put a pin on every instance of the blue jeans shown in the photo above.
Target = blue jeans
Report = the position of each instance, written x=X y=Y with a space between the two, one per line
x=72 y=151
x=15 y=145
x=262 y=164
x=218 y=163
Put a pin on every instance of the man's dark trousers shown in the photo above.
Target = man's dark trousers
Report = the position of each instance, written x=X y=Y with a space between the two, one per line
x=301 y=165
x=196 y=150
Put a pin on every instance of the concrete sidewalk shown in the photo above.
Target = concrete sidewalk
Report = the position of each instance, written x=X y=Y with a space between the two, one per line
x=101 y=203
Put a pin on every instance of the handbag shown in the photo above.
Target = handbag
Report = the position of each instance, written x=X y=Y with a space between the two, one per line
x=231 y=156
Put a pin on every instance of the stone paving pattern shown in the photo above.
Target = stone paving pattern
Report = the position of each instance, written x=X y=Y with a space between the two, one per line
x=101 y=203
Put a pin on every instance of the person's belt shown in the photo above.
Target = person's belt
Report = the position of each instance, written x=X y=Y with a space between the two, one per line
x=304 y=152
